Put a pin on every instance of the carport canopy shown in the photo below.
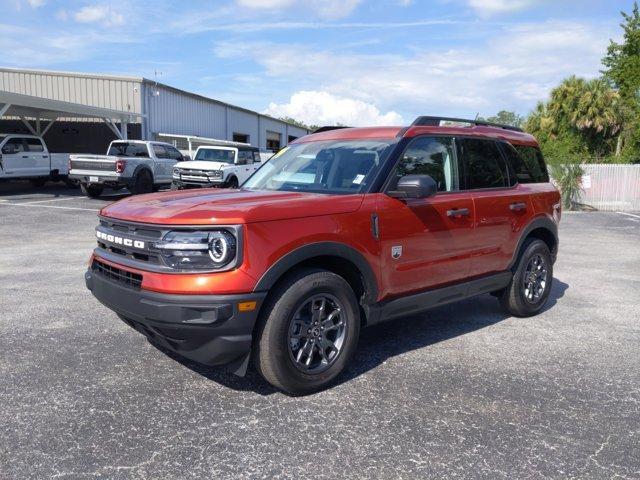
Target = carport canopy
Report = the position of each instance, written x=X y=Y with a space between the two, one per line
x=27 y=107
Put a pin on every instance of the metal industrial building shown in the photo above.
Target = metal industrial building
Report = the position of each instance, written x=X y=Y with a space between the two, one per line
x=142 y=109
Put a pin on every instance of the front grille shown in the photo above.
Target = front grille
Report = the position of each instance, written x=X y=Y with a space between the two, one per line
x=86 y=165
x=199 y=175
x=117 y=274
x=150 y=254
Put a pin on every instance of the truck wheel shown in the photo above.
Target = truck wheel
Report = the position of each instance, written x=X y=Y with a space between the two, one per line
x=142 y=184
x=91 y=191
x=231 y=183
x=308 y=332
x=38 y=182
x=531 y=283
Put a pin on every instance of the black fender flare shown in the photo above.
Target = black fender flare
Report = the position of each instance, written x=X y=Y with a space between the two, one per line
x=540 y=222
x=321 y=249
x=137 y=171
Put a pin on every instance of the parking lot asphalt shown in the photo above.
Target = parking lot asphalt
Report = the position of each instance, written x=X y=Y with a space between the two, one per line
x=463 y=391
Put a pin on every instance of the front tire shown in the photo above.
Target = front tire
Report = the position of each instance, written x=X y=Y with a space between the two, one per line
x=231 y=183
x=308 y=332
x=531 y=284
x=91 y=191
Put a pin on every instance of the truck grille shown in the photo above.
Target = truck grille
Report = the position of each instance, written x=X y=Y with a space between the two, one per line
x=86 y=165
x=117 y=274
x=199 y=175
x=135 y=233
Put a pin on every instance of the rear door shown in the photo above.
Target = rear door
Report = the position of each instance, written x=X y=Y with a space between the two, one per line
x=16 y=161
x=244 y=165
x=502 y=205
x=426 y=242
x=38 y=155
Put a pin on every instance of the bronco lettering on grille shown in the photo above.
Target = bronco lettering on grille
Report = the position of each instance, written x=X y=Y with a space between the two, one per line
x=116 y=240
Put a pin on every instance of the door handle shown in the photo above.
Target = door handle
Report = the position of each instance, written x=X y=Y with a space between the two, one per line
x=25 y=156
x=458 y=212
x=518 y=207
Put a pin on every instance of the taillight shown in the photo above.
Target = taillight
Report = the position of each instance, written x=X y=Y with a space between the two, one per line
x=120 y=166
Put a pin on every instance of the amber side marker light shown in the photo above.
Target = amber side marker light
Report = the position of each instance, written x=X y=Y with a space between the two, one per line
x=247 y=306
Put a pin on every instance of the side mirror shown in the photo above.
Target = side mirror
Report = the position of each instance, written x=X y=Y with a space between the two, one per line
x=185 y=158
x=415 y=186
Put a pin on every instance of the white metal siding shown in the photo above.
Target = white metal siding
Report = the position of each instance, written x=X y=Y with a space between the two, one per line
x=106 y=92
x=173 y=112
x=243 y=122
x=613 y=187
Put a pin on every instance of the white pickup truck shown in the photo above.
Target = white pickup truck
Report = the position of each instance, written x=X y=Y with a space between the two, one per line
x=27 y=156
x=141 y=166
x=217 y=166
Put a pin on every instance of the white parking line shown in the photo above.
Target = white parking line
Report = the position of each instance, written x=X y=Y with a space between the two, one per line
x=629 y=214
x=51 y=200
x=9 y=204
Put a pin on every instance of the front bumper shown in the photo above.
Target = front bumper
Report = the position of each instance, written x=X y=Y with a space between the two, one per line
x=208 y=329
x=182 y=183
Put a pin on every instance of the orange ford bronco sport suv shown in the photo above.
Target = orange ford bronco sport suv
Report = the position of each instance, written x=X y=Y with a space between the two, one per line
x=342 y=229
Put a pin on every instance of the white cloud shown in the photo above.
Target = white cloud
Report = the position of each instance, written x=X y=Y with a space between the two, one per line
x=99 y=14
x=323 y=108
x=36 y=3
x=323 y=8
x=511 y=70
x=487 y=8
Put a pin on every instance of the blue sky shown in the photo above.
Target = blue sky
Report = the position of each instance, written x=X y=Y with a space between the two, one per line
x=356 y=62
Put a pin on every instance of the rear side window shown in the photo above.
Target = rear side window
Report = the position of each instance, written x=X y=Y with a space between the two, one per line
x=126 y=149
x=531 y=164
x=484 y=164
x=34 y=145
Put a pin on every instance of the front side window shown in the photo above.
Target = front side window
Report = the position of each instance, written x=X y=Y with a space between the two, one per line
x=173 y=153
x=128 y=149
x=13 y=145
x=431 y=156
x=333 y=166
x=159 y=151
x=216 y=155
x=484 y=165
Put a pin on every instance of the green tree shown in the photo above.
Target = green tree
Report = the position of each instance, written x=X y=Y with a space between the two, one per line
x=505 y=117
x=300 y=124
x=622 y=69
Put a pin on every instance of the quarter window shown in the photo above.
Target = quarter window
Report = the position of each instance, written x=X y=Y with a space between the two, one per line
x=431 y=156
x=534 y=162
x=484 y=165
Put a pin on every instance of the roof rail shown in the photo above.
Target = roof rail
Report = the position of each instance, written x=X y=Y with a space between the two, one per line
x=329 y=127
x=426 y=121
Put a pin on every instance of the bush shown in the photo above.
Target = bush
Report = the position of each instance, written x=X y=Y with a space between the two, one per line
x=568 y=178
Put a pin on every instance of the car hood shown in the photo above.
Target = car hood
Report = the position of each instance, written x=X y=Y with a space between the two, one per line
x=202 y=165
x=224 y=206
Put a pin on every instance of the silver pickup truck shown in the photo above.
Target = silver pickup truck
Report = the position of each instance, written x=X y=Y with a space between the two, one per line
x=140 y=166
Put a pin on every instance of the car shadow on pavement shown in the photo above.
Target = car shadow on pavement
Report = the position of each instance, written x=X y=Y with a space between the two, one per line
x=386 y=340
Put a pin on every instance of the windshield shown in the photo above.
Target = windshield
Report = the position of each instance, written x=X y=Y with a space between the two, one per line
x=338 y=167
x=215 y=155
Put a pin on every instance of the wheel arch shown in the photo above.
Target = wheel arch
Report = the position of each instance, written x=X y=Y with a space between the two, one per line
x=139 y=169
x=335 y=257
x=542 y=228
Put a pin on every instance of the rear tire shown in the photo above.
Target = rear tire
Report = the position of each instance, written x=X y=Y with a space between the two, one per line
x=91 y=191
x=143 y=183
x=314 y=312
x=532 y=280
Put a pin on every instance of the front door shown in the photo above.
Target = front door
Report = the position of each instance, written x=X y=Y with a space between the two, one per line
x=426 y=242
x=16 y=161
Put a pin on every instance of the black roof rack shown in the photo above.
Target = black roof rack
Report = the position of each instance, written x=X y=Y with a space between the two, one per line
x=426 y=121
x=329 y=127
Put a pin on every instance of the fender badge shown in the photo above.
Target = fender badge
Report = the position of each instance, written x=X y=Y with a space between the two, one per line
x=396 y=252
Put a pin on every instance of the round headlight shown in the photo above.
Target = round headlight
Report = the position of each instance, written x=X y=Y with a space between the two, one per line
x=222 y=247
